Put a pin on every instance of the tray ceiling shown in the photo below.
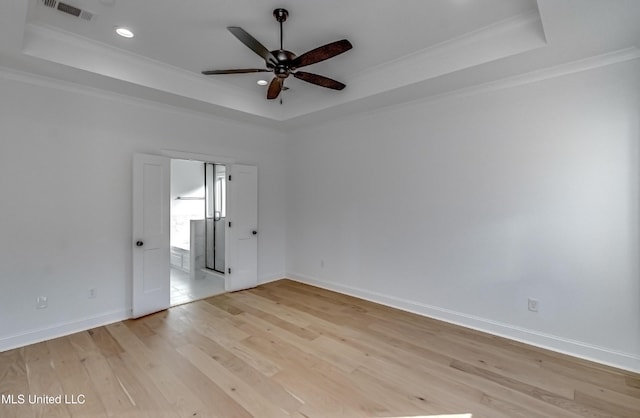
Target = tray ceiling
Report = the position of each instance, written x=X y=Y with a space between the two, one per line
x=404 y=45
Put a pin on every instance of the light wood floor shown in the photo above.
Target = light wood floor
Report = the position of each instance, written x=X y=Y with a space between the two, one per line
x=287 y=349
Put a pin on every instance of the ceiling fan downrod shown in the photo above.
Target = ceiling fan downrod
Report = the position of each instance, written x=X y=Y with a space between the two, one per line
x=281 y=16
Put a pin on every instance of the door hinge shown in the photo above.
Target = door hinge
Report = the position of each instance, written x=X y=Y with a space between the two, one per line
x=229 y=270
x=229 y=177
x=229 y=224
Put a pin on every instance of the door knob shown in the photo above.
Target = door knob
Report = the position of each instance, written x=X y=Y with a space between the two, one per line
x=139 y=244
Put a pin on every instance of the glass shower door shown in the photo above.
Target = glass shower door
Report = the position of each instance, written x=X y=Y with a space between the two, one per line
x=215 y=197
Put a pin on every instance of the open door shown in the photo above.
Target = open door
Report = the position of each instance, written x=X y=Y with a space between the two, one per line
x=151 y=206
x=242 y=228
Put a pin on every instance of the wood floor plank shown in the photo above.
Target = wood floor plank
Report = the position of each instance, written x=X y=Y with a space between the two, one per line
x=281 y=318
x=207 y=390
x=174 y=390
x=608 y=400
x=413 y=335
x=524 y=387
x=249 y=300
x=14 y=382
x=205 y=319
x=289 y=349
x=317 y=401
x=340 y=356
x=114 y=398
x=414 y=357
x=215 y=401
x=418 y=388
x=43 y=382
x=361 y=395
x=285 y=355
x=105 y=342
x=235 y=387
x=75 y=380
x=146 y=399
x=252 y=357
x=244 y=371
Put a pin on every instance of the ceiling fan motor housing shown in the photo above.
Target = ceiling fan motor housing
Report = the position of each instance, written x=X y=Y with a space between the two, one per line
x=285 y=59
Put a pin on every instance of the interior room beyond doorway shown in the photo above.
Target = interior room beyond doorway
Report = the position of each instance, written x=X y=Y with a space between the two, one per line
x=198 y=210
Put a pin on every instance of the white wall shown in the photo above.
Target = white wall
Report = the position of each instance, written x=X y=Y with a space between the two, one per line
x=463 y=207
x=65 y=198
x=187 y=180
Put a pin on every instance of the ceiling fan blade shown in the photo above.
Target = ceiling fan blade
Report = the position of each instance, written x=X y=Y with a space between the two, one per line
x=253 y=44
x=319 y=80
x=274 y=88
x=322 y=53
x=238 y=71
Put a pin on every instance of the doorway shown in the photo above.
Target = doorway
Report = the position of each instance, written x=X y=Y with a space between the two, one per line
x=151 y=246
x=197 y=230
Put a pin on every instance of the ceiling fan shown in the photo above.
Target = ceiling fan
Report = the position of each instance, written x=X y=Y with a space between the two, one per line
x=284 y=63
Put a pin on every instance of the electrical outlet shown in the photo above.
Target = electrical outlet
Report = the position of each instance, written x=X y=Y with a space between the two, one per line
x=41 y=302
x=92 y=293
x=533 y=304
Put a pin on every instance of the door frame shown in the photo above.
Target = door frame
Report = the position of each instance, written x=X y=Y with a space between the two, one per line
x=216 y=226
x=228 y=162
x=202 y=158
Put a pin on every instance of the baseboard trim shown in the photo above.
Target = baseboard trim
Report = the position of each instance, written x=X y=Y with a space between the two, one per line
x=60 y=330
x=67 y=328
x=602 y=355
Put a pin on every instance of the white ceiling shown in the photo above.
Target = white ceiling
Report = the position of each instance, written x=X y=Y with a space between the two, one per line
x=403 y=49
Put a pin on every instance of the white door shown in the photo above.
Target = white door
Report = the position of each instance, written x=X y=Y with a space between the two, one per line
x=151 y=205
x=242 y=228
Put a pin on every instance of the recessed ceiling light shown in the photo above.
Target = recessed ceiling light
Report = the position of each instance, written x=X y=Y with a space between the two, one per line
x=124 y=32
x=262 y=82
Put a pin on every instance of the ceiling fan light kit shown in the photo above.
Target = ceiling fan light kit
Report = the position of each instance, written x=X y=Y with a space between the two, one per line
x=283 y=63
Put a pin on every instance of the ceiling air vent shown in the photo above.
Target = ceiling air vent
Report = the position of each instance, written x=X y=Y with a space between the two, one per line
x=68 y=9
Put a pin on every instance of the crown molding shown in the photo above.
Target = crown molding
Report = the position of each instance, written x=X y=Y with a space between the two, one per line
x=503 y=39
x=68 y=49
x=346 y=111
x=511 y=36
